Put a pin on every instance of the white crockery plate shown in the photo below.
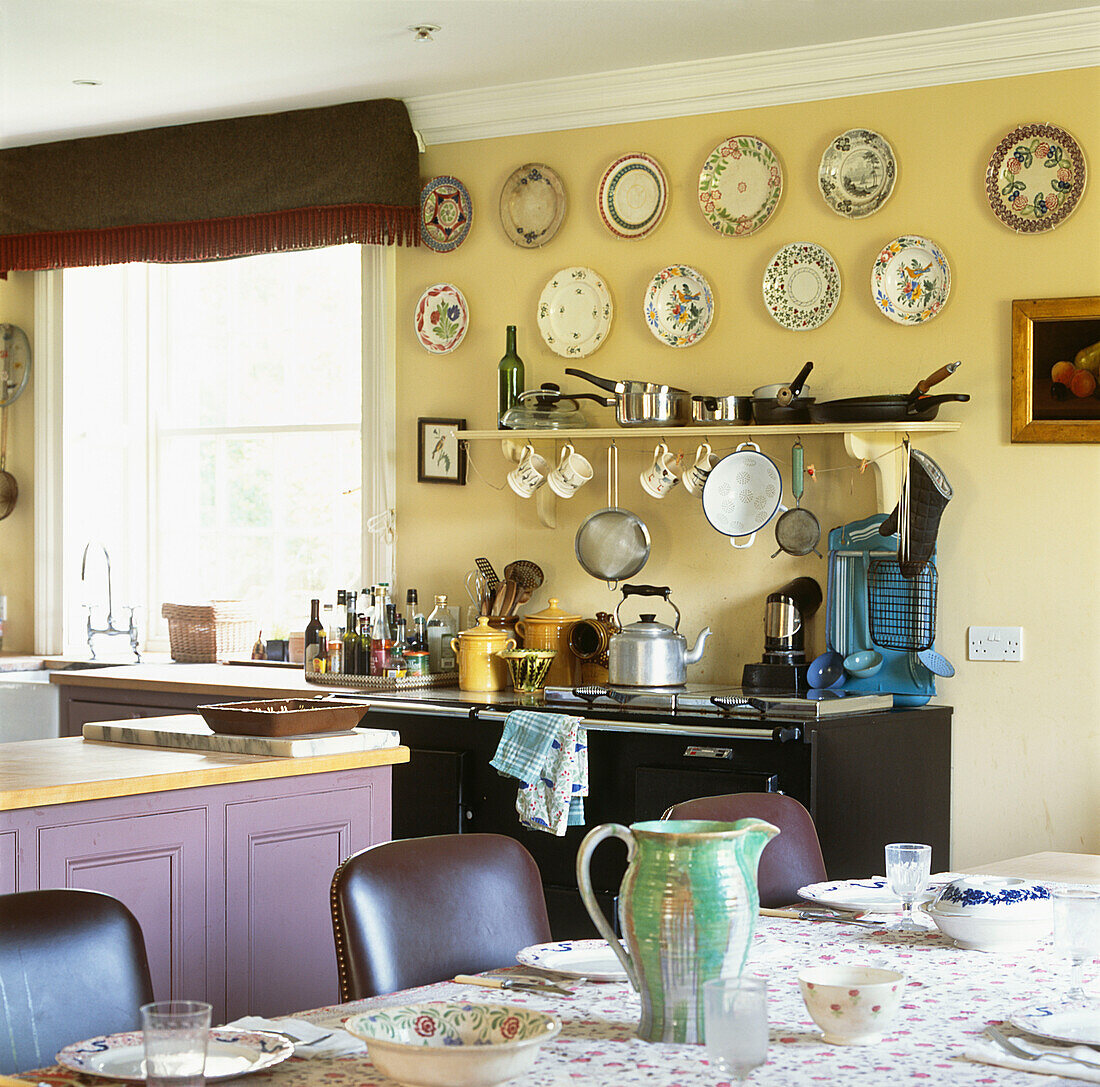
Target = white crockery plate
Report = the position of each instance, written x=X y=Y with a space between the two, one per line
x=574 y=313
x=858 y=895
x=229 y=1053
x=592 y=959
x=1061 y=1023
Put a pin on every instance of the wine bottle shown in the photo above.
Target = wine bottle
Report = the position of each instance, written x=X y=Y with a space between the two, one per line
x=509 y=378
x=316 y=654
x=351 y=639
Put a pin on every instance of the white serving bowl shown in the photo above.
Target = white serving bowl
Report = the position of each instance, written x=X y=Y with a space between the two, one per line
x=853 y=1005
x=452 y=1044
x=986 y=913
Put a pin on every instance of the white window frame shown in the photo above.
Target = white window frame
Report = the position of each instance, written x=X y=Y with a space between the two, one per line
x=378 y=444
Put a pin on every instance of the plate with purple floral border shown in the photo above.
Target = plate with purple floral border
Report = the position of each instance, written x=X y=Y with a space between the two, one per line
x=441 y=319
x=910 y=280
x=446 y=214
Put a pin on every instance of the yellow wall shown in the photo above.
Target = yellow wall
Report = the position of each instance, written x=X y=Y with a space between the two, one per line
x=1018 y=543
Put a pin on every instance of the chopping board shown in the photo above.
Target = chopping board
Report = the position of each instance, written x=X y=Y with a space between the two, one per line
x=191 y=732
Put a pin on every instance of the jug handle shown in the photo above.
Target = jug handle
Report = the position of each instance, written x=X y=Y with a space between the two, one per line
x=584 y=882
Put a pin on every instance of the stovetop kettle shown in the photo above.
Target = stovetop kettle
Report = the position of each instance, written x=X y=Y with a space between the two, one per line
x=648 y=653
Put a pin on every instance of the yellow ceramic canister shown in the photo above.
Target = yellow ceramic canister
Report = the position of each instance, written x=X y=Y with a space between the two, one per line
x=550 y=629
x=479 y=667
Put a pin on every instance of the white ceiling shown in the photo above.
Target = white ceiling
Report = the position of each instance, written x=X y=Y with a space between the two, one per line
x=168 y=61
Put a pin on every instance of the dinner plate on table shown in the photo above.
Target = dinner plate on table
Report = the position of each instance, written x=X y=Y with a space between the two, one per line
x=858 y=895
x=1061 y=1023
x=229 y=1053
x=591 y=959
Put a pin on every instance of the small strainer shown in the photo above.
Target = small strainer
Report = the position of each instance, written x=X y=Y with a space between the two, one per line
x=742 y=493
x=612 y=543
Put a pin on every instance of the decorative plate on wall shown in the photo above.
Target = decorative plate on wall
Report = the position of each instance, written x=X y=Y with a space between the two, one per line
x=445 y=214
x=441 y=319
x=857 y=173
x=532 y=205
x=574 y=313
x=632 y=196
x=910 y=280
x=801 y=286
x=1035 y=178
x=679 y=306
x=740 y=185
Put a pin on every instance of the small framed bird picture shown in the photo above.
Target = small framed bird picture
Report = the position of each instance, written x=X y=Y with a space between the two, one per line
x=440 y=456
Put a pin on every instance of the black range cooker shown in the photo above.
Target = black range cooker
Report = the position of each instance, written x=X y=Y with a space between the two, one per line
x=869 y=774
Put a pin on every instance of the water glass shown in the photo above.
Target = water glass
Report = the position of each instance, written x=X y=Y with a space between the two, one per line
x=908 y=867
x=175 y=1033
x=735 y=1024
x=1077 y=933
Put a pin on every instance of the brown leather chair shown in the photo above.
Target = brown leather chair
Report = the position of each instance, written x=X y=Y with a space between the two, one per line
x=792 y=859
x=72 y=966
x=418 y=910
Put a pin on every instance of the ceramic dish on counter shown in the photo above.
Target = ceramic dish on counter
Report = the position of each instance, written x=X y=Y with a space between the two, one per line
x=632 y=196
x=984 y=913
x=857 y=173
x=910 y=280
x=857 y=895
x=679 y=306
x=591 y=959
x=574 y=312
x=532 y=205
x=441 y=319
x=229 y=1053
x=1060 y=1023
x=740 y=186
x=446 y=213
x=801 y=286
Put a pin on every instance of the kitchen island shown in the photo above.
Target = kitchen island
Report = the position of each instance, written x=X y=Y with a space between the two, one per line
x=224 y=859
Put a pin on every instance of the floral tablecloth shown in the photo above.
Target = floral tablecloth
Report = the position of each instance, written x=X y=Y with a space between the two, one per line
x=951 y=995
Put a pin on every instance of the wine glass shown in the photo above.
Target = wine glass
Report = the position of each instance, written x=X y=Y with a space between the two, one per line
x=1077 y=934
x=735 y=1024
x=908 y=866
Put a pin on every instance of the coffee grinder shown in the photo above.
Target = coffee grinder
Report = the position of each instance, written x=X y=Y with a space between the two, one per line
x=786 y=612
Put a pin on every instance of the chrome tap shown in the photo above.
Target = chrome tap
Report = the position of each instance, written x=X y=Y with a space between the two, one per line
x=130 y=630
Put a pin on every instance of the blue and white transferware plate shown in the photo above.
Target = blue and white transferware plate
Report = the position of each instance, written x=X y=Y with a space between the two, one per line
x=1061 y=1023
x=532 y=205
x=910 y=280
x=857 y=173
x=858 y=895
x=229 y=1053
x=592 y=959
x=632 y=196
x=446 y=214
x=679 y=306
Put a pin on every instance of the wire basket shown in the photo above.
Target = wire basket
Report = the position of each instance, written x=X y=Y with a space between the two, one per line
x=902 y=610
x=204 y=633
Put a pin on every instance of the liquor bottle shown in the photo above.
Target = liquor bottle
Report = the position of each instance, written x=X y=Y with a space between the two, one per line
x=418 y=637
x=412 y=610
x=364 y=646
x=509 y=378
x=441 y=629
x=316 y=652
x=336 y=633
x=401 y=634
x=381 y=635
x=351 y=638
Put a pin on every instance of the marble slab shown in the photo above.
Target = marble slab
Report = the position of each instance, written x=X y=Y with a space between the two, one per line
x=191 y=732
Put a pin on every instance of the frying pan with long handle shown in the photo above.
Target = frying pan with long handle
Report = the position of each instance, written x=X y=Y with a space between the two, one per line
x=914 y=406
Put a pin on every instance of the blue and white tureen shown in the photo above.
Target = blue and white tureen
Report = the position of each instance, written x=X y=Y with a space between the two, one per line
x=986 y=913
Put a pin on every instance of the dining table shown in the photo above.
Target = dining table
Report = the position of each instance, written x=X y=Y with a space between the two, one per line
x=951 y=995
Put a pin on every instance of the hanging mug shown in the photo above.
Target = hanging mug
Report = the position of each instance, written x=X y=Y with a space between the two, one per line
x=696 y=476
x=572 y=473
x=530 y=474
x=659 y=478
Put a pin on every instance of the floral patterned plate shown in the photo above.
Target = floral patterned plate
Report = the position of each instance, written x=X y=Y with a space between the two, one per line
x=1061 y=1023
x=1036 y=177
x=229 y=1053
x=574 y=312
x=910 y=280
x=632 y=196
x=801 y=286
x=592 y=959
x=441 y=318
x=857 y=173
x=740 y=185
x=532 y=205
x=679 y=306
x=446 y=213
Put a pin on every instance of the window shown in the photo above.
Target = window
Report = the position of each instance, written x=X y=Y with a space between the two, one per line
x=212 y=436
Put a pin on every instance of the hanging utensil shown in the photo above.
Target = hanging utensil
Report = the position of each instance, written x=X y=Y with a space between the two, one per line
x=936 y=663
x=742 y=493
x=797 y=531
x=526 y=574
x=487 y=572
x=902 y=610
x=9 y=489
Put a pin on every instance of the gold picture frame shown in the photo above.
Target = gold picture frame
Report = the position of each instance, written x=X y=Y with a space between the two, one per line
x=1046 y=331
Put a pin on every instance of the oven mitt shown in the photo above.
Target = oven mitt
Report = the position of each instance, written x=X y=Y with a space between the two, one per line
x=929 y=493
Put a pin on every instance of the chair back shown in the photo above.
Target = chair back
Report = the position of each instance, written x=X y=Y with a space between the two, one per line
x=792 y=859
x=419 y=910
x=72 y=966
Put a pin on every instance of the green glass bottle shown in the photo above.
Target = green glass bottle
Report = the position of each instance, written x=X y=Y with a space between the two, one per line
x=509 y=378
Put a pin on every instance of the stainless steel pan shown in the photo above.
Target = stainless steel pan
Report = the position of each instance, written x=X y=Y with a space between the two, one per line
x=643 y=403
x=723 y=410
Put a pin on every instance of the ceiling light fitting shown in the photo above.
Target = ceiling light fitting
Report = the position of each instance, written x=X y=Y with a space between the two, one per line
x=423 y=32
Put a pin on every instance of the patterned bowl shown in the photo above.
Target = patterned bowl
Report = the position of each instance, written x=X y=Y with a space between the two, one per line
x=444 y=1044
x=529 y=667
x=853 y=1005
x=983 y=913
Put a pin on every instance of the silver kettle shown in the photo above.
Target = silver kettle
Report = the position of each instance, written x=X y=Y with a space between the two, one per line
x=648 y=653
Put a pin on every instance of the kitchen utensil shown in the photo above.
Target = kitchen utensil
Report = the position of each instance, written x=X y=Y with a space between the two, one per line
x=525 y=573
x=475 y=587
x=1046 y=1053
x=742 y=493
x=724 y=410
x=786 y=611
x=797 y=531
x=913 y=406
x=15 y=363
x=528 y=668
x=936 y=663
x=902 y=610
x=924 y=495
x=825 y=670
x=783 y=403
x=647 y=653
x=643 y=403
x=866 y=662
x=812 y=915
x=487 y=572
x=612 y=543
x=785 y=394
x=548 y=408
x=9 y=489
x=534 y=985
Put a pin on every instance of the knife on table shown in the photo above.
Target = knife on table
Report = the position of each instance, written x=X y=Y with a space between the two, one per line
x=533 y=985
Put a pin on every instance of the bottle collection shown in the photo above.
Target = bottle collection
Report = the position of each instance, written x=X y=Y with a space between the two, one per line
x=379 y=640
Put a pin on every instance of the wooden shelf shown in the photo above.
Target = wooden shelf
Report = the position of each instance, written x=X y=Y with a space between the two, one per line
x=716 y=432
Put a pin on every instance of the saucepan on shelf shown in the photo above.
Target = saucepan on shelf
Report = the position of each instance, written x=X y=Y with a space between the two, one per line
x=548 y=408
x=721 y=410
x=643 y=403
x=790 y=403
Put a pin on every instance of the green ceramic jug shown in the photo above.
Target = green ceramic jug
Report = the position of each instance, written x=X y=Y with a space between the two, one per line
x=687 y=908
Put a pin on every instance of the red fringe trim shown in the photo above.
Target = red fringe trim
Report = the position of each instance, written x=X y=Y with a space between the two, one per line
x=210 y=239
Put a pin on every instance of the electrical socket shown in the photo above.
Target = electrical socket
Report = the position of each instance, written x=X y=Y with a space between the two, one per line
x=995 y=643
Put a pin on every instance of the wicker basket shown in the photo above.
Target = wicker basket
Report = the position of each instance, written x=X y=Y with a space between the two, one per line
x=209 y=632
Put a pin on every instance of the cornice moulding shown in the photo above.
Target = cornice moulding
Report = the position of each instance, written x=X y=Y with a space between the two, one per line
x=962 y=54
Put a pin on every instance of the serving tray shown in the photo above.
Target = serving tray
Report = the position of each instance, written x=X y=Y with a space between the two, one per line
x=283 y=717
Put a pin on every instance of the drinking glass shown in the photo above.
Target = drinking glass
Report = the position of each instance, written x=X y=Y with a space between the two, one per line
x=175 y=1033
x=735 y=1024
x=908 y=866
x=1077 y=934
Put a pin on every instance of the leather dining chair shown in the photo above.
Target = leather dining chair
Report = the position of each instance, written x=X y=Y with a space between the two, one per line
x=418 y=910
x=72 y=966
x=792 y=859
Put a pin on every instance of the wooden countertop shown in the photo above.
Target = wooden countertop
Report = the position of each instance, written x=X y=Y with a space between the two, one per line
x=34 y=773
x=228 y=680
x=1057 y=867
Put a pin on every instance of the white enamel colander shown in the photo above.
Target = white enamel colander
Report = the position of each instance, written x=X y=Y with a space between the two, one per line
x=742 y=493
